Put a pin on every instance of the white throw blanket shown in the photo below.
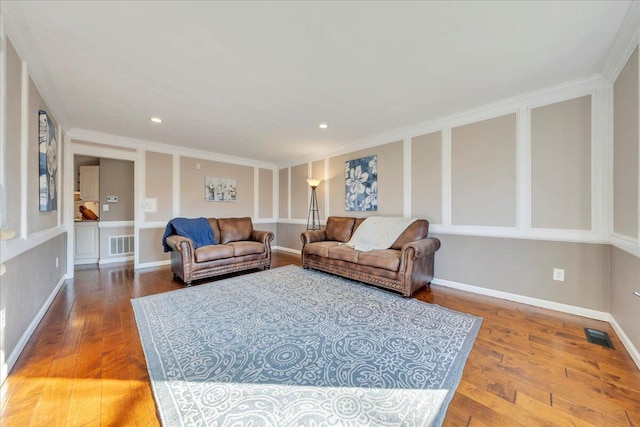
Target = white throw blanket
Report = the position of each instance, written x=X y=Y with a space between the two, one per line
x=378 y=232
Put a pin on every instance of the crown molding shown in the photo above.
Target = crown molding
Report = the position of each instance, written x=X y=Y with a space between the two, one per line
x=562 y=92
x=624 y=44
x=84 y=135
x=17 y=31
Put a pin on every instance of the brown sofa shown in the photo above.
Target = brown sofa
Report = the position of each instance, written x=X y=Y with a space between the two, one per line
x=239 y=247
x=405 y=267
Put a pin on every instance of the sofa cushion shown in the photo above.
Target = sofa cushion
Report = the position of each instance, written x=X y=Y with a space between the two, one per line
x=214 y=226
x=339 y=228
x=246 y=248
x=319 y=248
x=211 y=252
x=235 y=229
x=357 y=223
x=345 y=253
x=419 y=229
x=389 y=259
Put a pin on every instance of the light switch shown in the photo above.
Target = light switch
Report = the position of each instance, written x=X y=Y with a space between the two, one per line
x=150 y=205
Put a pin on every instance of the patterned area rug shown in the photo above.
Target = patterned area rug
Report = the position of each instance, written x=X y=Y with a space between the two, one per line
x=290 y=347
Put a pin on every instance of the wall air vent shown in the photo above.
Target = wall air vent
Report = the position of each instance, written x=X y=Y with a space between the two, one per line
x=121 y=245
x=598 y=337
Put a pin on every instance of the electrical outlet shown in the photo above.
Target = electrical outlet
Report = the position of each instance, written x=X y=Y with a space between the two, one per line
x=3 y=318
x=198 y=166
x=57 y=262
x=105 y=208
x=558 y=274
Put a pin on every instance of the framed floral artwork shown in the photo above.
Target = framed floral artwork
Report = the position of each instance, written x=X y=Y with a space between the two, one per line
x=48 y=170
x=220 y=189
x=361 y=184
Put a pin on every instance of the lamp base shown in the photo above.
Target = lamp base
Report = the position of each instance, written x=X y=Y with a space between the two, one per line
x=313 y=220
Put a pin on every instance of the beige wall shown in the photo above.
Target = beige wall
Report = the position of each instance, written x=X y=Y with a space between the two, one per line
x=192 y=180
x=625 y=149
x=561 y=165
x=105 y=234
x=288 y=235
x=625 y=268
x=36 y=220
x=13 y=130
x=29 y=280
x=390 y=176
x=283 y=193
x=159 y=184
x=265 y=194
x=116 y=179
x=32 y=275
x=525 y=267
x=150 y=245
x=299 y=191
x=483 y=173
x=426 y=177
x=625 y=279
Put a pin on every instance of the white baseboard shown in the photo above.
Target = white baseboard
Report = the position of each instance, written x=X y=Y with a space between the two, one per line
x=633 y=351
x=283 y=249
x=7 y=365
x=83 y=261
x=564 y=308
x=114 y=260
x=154 y=264
x=551 y=305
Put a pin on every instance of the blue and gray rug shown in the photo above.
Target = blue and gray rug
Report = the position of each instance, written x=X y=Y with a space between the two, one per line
x=294 y=347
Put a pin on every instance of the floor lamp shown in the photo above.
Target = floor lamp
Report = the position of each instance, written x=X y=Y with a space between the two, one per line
x=313 y=220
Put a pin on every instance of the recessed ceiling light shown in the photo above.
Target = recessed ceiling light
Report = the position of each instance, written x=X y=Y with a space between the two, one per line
x=156 y=119
x=323 y=125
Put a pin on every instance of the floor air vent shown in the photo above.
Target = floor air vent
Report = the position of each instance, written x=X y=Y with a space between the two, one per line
x=598 y=337
x=120 y=245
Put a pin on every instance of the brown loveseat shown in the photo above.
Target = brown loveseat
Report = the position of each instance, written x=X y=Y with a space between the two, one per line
x=239 y=247
x=405 y=267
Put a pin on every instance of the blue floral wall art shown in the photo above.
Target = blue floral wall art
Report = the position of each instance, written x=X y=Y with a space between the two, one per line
x=361 y=184
x=48 y=150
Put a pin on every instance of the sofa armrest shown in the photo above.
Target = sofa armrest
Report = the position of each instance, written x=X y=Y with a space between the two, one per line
x=262 y=236
x=183 y=245
x=313 y=236
x=420 y=248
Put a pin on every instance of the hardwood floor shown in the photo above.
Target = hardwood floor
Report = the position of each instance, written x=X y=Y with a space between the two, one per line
x=84 y=365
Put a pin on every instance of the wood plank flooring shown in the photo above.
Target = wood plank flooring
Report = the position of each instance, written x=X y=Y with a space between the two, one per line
x=84 y=365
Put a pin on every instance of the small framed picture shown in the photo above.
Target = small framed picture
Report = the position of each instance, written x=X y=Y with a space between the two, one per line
x=220 y=189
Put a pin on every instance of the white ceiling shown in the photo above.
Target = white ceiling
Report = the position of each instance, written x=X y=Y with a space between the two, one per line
x=254 y=79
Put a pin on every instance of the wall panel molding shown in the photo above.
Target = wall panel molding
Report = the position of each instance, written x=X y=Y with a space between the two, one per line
x=626 y=243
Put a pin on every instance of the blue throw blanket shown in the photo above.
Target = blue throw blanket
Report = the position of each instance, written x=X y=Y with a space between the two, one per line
x=197 y=229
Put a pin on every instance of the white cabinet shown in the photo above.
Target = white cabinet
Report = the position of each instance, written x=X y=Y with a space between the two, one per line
x=89 y=183
x=86 y=245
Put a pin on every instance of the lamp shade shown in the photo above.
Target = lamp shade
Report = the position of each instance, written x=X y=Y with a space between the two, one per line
x=314 y=182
